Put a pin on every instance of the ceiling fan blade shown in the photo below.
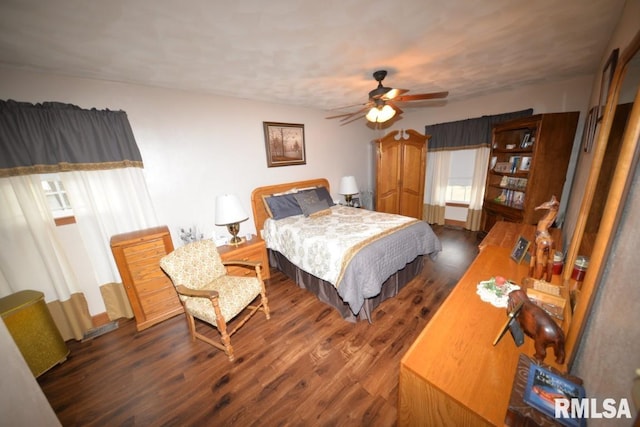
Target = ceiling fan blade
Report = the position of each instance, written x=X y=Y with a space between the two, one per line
x=420 y=96
x=361 y=116
x=393 y=93
x=338 y=115
x=350 y=115
x=361 y=104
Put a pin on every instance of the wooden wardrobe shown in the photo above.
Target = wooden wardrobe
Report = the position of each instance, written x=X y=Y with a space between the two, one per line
x=401 y=160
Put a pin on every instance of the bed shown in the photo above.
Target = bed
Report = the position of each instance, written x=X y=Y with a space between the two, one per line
x=352 y=259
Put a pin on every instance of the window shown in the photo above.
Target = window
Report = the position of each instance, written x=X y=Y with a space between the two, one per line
x=56 y=196
x=460 y=176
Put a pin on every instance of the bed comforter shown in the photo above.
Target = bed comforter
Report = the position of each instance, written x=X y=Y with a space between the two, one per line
x=355 y=250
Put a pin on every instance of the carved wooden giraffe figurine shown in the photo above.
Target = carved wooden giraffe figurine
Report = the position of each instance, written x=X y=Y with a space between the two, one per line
x=543 y=246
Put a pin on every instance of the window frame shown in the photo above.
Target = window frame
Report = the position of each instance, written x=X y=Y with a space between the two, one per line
x=62 y=216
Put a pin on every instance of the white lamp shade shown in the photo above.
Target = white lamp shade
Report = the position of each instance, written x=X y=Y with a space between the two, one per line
x=380 y=115
x=229 y=210
x=348 y=185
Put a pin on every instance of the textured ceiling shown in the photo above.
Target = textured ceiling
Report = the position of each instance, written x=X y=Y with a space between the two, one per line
x=310 y=53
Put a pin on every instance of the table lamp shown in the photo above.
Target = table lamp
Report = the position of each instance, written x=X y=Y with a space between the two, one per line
x=229 y=212
x=348 y=188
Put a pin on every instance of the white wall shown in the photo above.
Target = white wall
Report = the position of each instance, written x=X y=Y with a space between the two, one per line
x=197 y=146
x=22 y=402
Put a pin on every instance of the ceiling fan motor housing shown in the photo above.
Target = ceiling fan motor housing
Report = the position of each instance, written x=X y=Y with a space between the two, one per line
x=380 y=90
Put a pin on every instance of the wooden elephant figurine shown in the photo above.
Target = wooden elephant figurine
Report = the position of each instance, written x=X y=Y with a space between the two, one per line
x=539 y=325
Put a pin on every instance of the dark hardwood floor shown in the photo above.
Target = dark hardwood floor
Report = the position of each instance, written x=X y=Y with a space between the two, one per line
x=306 y=366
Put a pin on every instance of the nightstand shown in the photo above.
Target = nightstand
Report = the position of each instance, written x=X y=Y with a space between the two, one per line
x=249 y=250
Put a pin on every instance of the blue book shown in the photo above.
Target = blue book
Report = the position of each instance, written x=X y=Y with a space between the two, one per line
x=544 y=387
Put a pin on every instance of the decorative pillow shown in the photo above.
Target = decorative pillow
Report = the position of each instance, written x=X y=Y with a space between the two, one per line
x=282 y=206
x=323 y=194
x=310 y=203
x=321 y=212
x=306 y=197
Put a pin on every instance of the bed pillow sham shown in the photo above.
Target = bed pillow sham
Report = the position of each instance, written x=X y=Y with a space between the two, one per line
x=284 y=205
x=310 y=203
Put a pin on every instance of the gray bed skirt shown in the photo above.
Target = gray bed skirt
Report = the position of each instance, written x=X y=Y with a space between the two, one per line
x=328 y=294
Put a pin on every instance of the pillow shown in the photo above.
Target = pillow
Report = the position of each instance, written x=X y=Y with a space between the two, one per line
x=323 y=194
x=310 y=203
x=282 y=206
x=321 y=212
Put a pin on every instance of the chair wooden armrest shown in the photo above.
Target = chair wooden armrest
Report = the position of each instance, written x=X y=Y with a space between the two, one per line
x=203 y=293
x=256 y=266
x=242 y=263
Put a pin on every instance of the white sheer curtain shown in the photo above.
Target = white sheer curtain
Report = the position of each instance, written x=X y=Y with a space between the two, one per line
x=474 y=214
x=105 y=203
x=32 y=257
x=438 y=167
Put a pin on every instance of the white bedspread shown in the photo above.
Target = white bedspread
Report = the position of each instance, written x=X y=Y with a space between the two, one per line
x=325 y=245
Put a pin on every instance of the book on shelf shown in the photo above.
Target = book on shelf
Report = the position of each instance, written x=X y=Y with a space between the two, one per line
x=514 y=161
x=511 y=198
x=513 y=183
x=502 y=167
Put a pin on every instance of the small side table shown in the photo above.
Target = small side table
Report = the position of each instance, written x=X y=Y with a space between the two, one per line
x=249 y=250
x=30 y=324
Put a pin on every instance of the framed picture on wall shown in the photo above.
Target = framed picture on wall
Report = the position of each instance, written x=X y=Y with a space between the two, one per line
x=284 y=144
x=589 y=131
x=605 y=81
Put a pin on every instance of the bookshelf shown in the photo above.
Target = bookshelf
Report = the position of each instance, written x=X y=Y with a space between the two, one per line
x=528 y=164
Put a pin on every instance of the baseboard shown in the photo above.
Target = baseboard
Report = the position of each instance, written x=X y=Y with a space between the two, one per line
x=455 y=223
x=100 y=330
x=100 y=319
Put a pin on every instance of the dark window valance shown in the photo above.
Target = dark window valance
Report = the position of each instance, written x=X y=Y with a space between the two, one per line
x=468 y=133
x=54 y=137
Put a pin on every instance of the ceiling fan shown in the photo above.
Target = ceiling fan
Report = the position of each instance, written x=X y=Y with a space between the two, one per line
x=383 y=102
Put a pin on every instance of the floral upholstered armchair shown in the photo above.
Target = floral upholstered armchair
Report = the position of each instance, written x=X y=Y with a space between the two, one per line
x=209 y=294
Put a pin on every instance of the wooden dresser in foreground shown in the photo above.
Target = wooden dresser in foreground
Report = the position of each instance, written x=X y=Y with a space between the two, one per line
x=452 y=374
x=151 y=293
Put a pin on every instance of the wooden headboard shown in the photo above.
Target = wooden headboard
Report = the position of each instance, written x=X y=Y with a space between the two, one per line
x=260 y=213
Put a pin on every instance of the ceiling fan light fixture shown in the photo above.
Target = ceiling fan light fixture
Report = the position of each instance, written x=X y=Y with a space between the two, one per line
x=380 y=114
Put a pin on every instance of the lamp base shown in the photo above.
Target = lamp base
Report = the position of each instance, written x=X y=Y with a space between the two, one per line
x=234 y=229
x=348 y=198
